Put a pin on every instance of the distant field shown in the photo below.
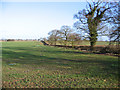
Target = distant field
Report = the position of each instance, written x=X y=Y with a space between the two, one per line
x=32 y=65
x=97 y=43
x=88 y=43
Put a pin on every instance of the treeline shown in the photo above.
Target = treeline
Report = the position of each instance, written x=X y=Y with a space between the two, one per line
x=64 y=36
x=19 y=39
x=92 y=22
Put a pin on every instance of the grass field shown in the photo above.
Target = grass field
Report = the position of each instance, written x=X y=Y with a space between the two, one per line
x=32 y=65
x=86 y=43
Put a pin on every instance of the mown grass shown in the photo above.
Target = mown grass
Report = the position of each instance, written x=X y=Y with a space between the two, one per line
x=32 y=65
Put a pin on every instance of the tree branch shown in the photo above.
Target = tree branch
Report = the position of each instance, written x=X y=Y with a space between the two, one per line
x=107 y=19
x=82 y=21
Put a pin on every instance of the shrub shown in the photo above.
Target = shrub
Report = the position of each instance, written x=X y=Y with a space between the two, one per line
x=110 y=49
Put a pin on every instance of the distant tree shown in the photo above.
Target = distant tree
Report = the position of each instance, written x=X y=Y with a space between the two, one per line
x=65 y=31
x=10 y=39
x=73 y=38
x=42 y=39
x=51 y=40
x=54 y=36
x=93 y=19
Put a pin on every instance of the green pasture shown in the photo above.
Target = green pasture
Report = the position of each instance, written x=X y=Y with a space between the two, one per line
x=86 y=43
x=32 y=65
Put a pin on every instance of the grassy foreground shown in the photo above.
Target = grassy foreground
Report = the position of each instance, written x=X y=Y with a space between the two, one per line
x=32 y=65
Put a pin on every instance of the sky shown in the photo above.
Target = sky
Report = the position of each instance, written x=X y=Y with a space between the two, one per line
x=33 y=19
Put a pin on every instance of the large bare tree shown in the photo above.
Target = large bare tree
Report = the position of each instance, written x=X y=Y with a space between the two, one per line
x=94 y=18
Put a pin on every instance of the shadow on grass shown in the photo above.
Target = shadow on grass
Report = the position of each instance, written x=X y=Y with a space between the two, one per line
x=50 y=51
x=11 y=56
x=74 y=52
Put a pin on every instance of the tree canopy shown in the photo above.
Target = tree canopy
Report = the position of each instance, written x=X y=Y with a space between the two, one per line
x=94 y=18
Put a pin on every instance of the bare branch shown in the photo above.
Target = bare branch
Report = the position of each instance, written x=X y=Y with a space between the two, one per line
x=107 y=19
x=82 y=21
x=89 y=5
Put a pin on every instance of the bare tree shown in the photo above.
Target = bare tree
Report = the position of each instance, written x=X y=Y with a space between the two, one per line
x=65 y=31
x=51 y=40
x=73 y=38
x=94 y=18
x=54 y=36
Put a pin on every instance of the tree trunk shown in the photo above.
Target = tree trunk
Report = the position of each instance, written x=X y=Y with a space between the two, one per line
x=72 y=44
x=92 y=45
x=65 y=43
x=55 y=42
x=93 y=36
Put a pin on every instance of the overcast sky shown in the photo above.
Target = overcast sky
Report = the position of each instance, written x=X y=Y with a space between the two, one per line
x=32 y=20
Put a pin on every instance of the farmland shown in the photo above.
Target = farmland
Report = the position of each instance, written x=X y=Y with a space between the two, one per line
x=99 y=43
x=33 y=65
